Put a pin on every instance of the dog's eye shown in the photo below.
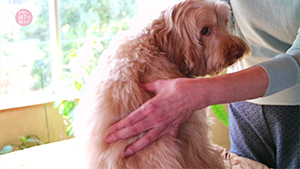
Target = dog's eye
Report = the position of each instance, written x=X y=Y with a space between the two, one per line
x=205 y=31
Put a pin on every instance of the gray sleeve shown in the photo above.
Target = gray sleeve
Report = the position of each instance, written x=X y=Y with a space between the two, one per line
x=284 y=69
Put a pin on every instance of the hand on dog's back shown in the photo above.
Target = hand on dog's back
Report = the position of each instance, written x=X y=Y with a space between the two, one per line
x=145 y=118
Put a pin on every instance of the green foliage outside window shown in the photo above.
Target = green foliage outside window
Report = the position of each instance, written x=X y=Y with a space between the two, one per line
x=96 y=22
x=29 y=49
x=26 y=142
x=80 y=20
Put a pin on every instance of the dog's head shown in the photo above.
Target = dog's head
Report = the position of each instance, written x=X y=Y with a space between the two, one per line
x=194 y=36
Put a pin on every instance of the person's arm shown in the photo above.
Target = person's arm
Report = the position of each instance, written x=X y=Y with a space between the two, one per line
x=243 y=85
x=175 y=100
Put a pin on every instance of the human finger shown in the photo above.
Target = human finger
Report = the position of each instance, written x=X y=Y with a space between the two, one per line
x=148 y=138
x=132 y=118
x=151 y=87
x=128 y=131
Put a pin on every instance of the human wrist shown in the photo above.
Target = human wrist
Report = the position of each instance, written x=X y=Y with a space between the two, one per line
x=212 y=89
x=200 y=92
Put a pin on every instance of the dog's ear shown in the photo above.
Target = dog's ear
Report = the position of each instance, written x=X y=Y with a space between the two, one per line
x=223 y=11
x=177 y=34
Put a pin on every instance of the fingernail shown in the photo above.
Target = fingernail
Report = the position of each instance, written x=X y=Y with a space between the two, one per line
x=128 y=153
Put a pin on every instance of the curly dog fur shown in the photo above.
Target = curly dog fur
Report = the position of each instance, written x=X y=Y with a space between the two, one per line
x=188 y=40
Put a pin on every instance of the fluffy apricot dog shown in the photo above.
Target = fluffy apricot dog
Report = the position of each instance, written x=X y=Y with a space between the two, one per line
x=188 y=40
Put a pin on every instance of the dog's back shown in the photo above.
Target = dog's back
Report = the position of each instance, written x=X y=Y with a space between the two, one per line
x=116 y=92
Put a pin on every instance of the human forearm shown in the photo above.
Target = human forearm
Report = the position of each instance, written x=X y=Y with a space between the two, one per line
x=243 y=85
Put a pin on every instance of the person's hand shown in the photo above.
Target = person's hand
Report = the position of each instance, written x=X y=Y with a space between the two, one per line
x=174 y=101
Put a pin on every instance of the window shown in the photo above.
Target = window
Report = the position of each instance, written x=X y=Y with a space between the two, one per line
x=34 y=57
